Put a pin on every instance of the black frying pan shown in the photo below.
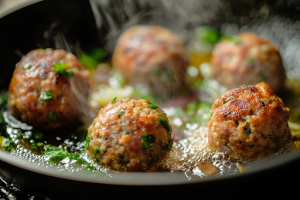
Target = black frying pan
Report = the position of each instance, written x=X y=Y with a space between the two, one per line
x=85 y=25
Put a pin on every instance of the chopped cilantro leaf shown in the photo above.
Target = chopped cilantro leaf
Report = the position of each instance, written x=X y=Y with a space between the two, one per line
x=170 y=144
x=250 y=60
x=153 y=106
x=208 y=34
x=7 y=144
x=60 y=68
x=114 y=100
x=96 y=151
x=165 y=124
x=120 y=112
x=233 y=38
x=27 y=66
x=87 y=141
x=224 y=101
x=126 y=132
x=92 y=59
x=38 y=135
x=51 y=117
x=145 y=98
x=147 y=141
x=45 y=96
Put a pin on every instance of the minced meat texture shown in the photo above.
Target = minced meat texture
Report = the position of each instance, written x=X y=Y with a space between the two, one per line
x=153 y=56
x=250 y=122
x=247 y=60
x=49 y=89
x=130 y=136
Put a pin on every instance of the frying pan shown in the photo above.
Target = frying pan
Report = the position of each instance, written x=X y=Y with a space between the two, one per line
x=82 y=25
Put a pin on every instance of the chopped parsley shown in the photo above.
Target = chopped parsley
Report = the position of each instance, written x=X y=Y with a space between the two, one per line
x=230 y=98
x=96 y=151
x=165 y=124
x=120 y=112
x=170 y=144
x=114 y=100
x=45 y=96
x=52 y=117
x=61 y=68
x=38 y=135
x=208 y=34
x=126 y=132
x=233 y=38
x=7 y=144
x=153 y=106
x=250 y=60
x=145 y=98
x=87 y=141
x=93 y=58
x=224 y=101
x=27 y=66
x=147 y=141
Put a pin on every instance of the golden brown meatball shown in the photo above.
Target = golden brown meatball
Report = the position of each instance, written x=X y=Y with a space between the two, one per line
x=49 y=89
x=153 y=56
x=249 y=121
x=129 y=135
x=247 y=59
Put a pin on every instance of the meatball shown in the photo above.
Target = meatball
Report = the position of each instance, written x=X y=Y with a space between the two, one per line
x=154 y=57
x=247 y=59
x=129 y=135
x=49 y=89
x=249 y=122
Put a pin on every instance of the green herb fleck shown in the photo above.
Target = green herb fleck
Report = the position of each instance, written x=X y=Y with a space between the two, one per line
x=96 y=151
x=250 y=60
x=165 y=113
x=224 y=101
x=120 y=112
x=27 y=66
x=7 y=144
x=230 y=98
x=233 y=38
x=170 y=144
x=60 y=68
x=38 y=135
x=51 y=117
x=39 y=144
x=208 y=34
x=153 y=106
x=126 y=132
x=147 y=141
x=45 y=96
x=247 y=128
x=92 y=59
x=165 y=124
x=33 y=144
x=145 y=99
x=114 y=100
x=87 y=141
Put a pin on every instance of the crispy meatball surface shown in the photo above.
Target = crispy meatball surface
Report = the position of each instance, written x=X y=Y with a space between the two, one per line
x=44 y=98
x=247 y=59
x=153 y=56
x=249 y=121
x=129 y=135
